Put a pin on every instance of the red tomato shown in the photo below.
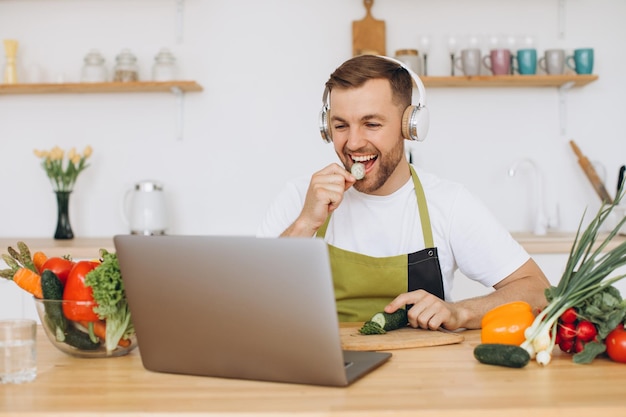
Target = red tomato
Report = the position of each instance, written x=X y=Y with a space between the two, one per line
x=60 y=266
x=616 y=344
x=76 y=290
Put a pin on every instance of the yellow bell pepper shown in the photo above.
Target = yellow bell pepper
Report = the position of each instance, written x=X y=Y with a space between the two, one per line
x=506 y=323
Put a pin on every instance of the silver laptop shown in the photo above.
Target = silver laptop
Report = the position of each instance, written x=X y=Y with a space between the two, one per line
x=238 y=307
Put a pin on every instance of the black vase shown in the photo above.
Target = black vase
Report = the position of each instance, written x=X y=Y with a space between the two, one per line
x=64 y=228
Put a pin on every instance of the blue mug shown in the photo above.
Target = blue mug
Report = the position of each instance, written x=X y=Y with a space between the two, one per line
x=581 y=61
x=526 y=61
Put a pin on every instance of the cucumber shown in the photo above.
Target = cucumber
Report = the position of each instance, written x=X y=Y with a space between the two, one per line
x=512 y=356
x=80 y=340
x=382 y=322
x=52 y=289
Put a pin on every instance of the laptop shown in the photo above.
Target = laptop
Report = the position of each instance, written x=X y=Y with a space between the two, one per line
x=238 y=307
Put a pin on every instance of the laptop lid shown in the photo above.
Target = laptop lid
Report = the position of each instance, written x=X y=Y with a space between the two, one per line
x=237 y=307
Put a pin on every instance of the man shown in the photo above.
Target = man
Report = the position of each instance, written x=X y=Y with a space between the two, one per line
x=396 y=236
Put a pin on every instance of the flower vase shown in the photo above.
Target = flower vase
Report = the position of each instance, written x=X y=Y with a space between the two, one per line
x=64 y=228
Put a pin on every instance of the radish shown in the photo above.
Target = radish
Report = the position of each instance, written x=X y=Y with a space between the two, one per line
x=566 y=331
x=569 y=316
x=586 y=331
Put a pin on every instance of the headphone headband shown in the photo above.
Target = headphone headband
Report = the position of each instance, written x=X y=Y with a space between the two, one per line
x=414 y=119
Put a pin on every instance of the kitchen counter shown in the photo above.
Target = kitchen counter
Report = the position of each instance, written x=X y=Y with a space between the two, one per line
x=81 y=248
x=430 y=381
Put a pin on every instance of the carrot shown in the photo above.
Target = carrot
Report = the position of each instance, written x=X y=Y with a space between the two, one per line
x=39 y=258
x=100 y=330
x=29 y=281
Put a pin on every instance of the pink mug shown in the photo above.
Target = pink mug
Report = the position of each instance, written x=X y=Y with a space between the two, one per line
x=498 y=61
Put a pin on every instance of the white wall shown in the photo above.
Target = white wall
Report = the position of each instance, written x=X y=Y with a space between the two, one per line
x=263 y=65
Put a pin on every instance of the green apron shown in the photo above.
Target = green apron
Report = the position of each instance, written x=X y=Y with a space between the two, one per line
x=364 y=285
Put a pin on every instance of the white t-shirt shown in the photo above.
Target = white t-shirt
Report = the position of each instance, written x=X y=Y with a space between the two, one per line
x=466 y=234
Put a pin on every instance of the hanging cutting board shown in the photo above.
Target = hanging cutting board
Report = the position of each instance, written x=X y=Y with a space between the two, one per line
x=368 y=35
x=351 y=339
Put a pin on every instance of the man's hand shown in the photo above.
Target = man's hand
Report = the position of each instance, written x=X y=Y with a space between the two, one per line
x=324 y=195
x=428 y=311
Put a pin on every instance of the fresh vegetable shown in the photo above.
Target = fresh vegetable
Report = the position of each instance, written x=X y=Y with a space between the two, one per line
x=99 y=329
x=28 y=280
x=616 y=344
x=52 y=289
x=506 y=323
x=39 y=258
x=22 y=270
x=76 y=290
x=108 y=292
x=382 y=322
x=586 y=274
x=60 y=266
x=569 y=316
x=80 y=340
x=502 y=354
x=55 y=319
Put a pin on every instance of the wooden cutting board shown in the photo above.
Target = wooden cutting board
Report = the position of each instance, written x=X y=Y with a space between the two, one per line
x=351 y=339
x=368 y=35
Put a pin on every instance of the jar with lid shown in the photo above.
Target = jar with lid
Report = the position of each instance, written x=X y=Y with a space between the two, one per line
x=126 y=69
x=410 y=58
x=94 y=70
x=164 y=68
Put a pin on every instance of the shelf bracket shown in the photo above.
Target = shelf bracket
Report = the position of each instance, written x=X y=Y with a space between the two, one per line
x=179 y=20
x=178 y=92
x=563 y=106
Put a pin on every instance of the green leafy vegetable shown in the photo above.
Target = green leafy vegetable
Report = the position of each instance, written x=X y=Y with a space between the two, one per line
x=586 y=275
x=108 y=292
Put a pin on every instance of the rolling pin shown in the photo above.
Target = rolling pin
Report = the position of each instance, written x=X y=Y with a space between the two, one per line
x=591 y=174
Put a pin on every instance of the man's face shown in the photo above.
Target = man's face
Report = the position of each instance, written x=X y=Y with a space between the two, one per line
x=366 y=127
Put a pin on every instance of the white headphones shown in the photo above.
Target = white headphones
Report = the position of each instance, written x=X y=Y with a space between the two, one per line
x=414 y=119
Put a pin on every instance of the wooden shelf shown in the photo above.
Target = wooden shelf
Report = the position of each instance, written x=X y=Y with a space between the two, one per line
x=569 y=80
x=112 y=87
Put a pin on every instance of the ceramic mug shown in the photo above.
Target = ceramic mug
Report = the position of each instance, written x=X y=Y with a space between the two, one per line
x=498 y=61
x=553 y=61
x=581 y=61
x=526 y=60
x=469 y=62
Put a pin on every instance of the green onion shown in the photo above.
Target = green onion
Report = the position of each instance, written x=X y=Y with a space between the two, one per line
x=586 y=272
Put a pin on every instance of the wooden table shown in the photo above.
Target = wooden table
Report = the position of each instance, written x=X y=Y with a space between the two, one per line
x=431 y=381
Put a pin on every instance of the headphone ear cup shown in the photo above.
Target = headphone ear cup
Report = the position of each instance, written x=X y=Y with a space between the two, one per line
x=415 y=123
x=324 y=130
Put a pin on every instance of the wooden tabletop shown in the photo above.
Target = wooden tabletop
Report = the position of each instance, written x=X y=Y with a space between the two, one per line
x=430 y=381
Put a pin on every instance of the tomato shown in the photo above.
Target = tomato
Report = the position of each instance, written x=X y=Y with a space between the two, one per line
x=616 y=344
x=76 y=290
x=60 y=266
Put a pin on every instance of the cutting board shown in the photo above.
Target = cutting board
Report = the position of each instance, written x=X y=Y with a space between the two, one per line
x=406 y=338
x=368 y=35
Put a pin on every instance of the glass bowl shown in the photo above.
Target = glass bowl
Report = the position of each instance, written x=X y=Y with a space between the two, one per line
x=72 y=337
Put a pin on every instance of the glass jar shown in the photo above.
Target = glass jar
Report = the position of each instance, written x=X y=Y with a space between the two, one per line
x=126 y=69
x=164 y=68
x=410 y=58
x=93 y=70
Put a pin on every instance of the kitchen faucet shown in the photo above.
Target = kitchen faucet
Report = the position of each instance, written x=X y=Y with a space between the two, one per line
x=540 y=227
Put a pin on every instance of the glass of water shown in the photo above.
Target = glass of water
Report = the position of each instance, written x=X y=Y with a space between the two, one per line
x=18 y=351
